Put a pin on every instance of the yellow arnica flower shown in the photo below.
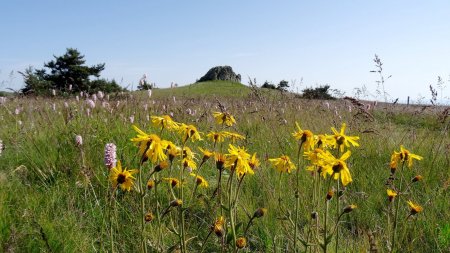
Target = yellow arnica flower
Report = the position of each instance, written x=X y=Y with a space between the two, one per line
x=216 y=137
x=305 y=137
x=174 y=182
x=151 y=145
x=220 y=161
x=233 y=136
x=238 y=158
x=342 y=140
x=189 y=132
x=254 y=162
x=337 y=167
x=187 y=153
x=323 y=141
x=122 y=177
x=189 y=163
x=200 y=181
x=164 y=122
x=206 y=154
x=313 y=156
x=405 y=156
x=172 y=150
x=414 y=208
x=282 y=164
x=224 y=118
x=391 y=194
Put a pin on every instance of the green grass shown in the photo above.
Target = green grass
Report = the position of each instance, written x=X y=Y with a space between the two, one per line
x=55 y=196
x=206 y=89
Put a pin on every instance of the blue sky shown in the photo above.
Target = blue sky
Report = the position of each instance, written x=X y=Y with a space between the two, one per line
x=319 y=42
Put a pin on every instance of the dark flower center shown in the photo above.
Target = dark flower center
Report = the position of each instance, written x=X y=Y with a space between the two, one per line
x=337 y=168
x=340 y=140
x=121 y=178
x=303 y=139
x=219 y=164
x=404 y=156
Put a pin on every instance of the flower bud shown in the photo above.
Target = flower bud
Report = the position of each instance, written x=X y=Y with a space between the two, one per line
x=176 y=202
x=150 y=184
x=149 y=216
x=161 y=166
x=349 y=208
x=218 y=226
x=260 y=212
x=241 y=242
x=417 y=178
x=330 y=194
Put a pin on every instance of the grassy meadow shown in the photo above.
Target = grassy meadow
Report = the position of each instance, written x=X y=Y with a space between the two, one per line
x=56 y=195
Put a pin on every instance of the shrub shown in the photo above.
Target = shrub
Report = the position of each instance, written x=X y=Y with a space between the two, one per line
x=320 y=92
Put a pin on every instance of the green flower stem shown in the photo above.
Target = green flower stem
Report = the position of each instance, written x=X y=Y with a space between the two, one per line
x=279 y=189
x=248 y=225
x=230 y=208
x=204 y=241
x=236 y=197
x=325 y=233
x=158 y=216
x=297 y=196
x=397 y=207
x=325 y=242
x=181 y=212
x=195 y=182
x=219 y=191
x=142 y=196
x=111 y=231
x=338 y=215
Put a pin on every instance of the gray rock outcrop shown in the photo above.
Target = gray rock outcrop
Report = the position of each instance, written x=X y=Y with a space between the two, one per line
x=224 y=73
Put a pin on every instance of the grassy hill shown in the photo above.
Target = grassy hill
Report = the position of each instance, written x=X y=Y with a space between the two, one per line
x=56 y=195
x=211 y=88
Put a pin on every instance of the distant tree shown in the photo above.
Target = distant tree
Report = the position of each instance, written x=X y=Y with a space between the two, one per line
x=268 y=85
x=320 y=92
x=68 y=73
x=105 y=86
x=143 y=84
x=283 y=85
